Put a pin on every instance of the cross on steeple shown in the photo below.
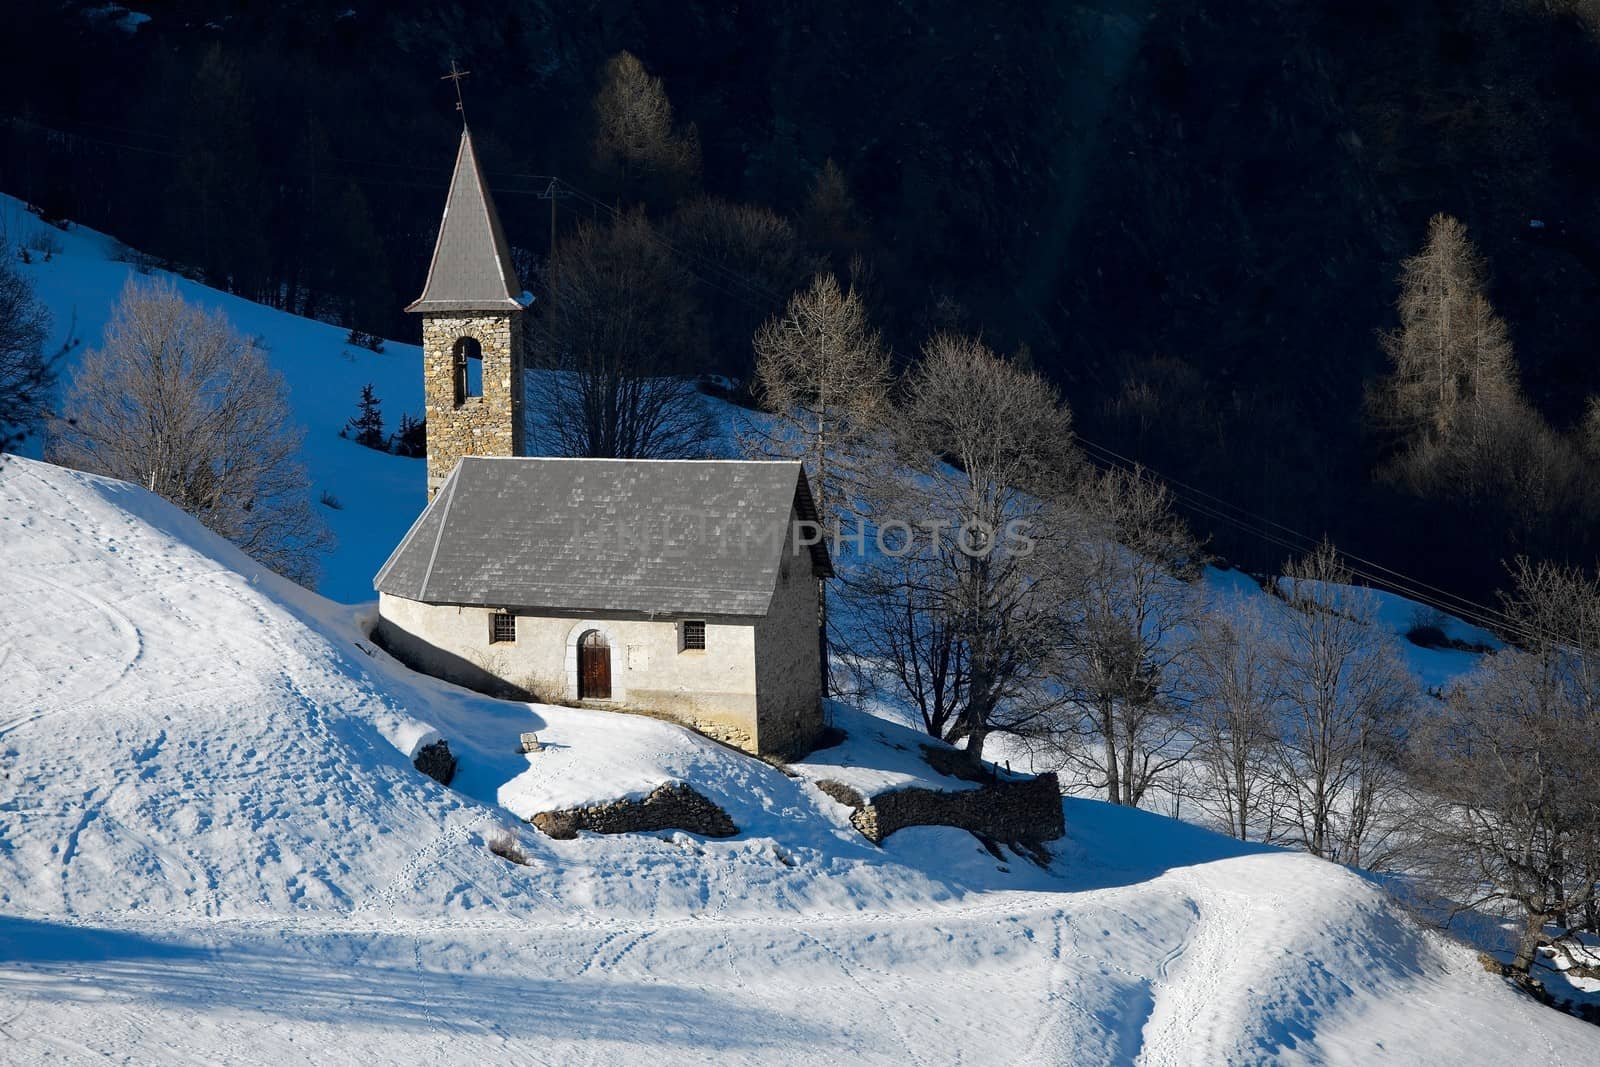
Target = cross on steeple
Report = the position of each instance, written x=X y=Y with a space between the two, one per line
x=456 y=75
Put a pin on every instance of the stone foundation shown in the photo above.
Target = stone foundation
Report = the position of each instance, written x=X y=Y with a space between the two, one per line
x=673 y=806
x=1026 y=811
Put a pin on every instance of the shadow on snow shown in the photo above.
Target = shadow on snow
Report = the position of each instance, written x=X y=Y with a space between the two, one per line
x=339 y=986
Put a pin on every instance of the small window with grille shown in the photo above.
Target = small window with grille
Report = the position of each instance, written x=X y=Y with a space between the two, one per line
x=502 y=627
x=694 y=636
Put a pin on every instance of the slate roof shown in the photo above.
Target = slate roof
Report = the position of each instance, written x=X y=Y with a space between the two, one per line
x=471 y=268
x=645 y=536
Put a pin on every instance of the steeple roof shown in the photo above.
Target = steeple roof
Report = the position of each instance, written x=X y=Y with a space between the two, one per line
x=471 y=268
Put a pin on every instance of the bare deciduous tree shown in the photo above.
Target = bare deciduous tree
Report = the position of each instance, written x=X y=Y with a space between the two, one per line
x=1556 y=610
x=1232 y=670
x=612 y=347
x=1509 y=765
x=823 y=374
x=751 y=261
x=1125 y=605
x=1347 y=701
x=1589 y=430
x=903 y=627
x=27 y=375
x=988 y=444
x=179 y=402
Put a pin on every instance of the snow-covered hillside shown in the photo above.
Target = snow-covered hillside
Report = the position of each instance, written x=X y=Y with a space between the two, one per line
x=380 y=494
x=215 y=849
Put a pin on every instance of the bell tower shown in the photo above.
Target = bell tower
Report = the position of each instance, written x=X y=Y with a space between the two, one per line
x=471 y=330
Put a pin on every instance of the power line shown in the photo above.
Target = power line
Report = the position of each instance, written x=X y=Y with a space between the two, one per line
x=1377 y=575
x=717 y=276
x=1470 y=611
x=1297 y=534
x=52 y=125
x=741 y=287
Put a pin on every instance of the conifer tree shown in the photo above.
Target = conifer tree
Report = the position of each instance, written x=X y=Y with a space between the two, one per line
x=1452 y=391
x=411 y=440
x=822 y=371
x=830 y=221
x=215 y=206
x=356 y=267
x=368 y=425
x=635 y=135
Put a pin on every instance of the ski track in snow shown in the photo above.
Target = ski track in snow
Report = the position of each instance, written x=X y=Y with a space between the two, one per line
x=133 y=648
x=1193 y=979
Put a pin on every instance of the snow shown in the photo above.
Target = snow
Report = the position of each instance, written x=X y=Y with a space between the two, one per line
x=1434 y=668
x=877 y=756
x=380 y=494
x=116 y=15
x=1394 y=615
x=213 y=848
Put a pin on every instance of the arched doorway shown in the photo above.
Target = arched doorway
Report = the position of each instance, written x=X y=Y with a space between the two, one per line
x=594 y=667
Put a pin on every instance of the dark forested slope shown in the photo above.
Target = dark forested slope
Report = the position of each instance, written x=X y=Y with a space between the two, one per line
x=1191 y=214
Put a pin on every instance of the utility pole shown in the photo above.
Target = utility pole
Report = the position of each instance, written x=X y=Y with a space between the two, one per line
x=553 y=192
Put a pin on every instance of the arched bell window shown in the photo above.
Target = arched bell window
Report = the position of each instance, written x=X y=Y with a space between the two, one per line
x=467 y=369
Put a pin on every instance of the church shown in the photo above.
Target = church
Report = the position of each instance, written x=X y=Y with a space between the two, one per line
x=682 y=588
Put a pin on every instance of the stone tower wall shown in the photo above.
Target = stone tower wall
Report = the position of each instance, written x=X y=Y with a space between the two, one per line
x=490 y=425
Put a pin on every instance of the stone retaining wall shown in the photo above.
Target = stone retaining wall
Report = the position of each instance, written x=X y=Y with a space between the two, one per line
x=673 y=806
x=1027 y=810
x=436 y=761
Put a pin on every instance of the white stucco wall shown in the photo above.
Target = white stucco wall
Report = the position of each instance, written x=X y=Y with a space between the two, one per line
x=713 y=690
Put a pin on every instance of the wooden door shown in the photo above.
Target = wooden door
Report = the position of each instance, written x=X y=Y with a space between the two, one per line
x=594 y=668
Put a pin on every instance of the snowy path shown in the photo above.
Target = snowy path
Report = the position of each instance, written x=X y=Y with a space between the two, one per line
x=969 y=984
x=212 y=851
